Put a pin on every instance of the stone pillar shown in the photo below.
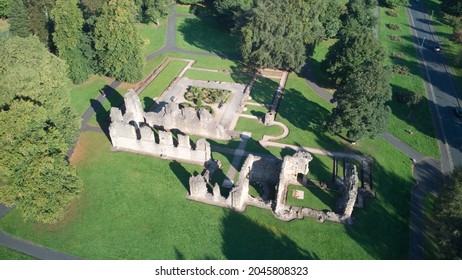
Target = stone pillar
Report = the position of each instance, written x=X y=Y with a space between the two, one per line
x=183 y=141
x=165 y=138
x=203 y=145
x=197 y=187
x=133 y=106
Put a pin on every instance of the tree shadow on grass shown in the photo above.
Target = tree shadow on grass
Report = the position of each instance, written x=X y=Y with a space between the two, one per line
x=264 y=90
x=243 y=238
x=208 y=35
x=382 y=227
x=308 y=116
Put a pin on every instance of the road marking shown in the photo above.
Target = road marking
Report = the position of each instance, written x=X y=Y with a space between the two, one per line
x=446 y=146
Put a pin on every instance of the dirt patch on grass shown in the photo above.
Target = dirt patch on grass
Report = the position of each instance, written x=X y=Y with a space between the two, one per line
x=80 y=150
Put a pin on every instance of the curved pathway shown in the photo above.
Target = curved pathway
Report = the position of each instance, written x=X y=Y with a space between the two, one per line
x=39 y=251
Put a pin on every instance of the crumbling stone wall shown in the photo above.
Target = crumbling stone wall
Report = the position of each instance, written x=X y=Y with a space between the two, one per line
x=349 y=192
x=130 y=132
x=188 y=121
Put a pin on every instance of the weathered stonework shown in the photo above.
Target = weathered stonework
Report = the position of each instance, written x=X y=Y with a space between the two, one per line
x=130 y=132
x=188 y=121
x=293 y=169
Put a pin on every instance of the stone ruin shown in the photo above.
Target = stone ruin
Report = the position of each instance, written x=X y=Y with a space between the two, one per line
x=133 y=133
x=188 y=121
x=261 y=170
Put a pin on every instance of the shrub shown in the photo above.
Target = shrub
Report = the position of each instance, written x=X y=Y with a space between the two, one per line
x=397 y=55
x=457 y=36
x=392 y=13
x=393 y=26
x=395 y=38
x=408 y=98
x=401 y=70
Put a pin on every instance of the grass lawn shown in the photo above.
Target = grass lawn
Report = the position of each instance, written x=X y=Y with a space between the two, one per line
x=431 y=248
x=315 y=60
x=183 y=9
x=257 y=111
x=8 y=254
x=129 y=195
x=315 y=198
x=217 y=76
x=82 y=94
x=4 y=26
x=161 y=82
x=206 y=35
x=263 y=90
x=257 y=128
x=153 y=36
x=413 y=126
x=444 y=32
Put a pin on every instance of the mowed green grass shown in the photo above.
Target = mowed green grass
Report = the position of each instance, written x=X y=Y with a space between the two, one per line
x=134 y=207
x=315 y=198
x=414 y=126
x=444 y=32
x=161 y=82
x=8 y=254
x=205 y=35
x=82 y=94
x=256 y=111
x=264 y=90
x=153 y=36
x=257 y=128
x=217 y=76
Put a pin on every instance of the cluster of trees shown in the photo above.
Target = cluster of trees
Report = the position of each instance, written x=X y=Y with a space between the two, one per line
x=452 y=7
x=37 y=127
x=355 y=64
x=449 y=217
x=93 y=36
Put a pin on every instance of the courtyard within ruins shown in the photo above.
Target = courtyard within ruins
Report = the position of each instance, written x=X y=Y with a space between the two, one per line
x=164 y=130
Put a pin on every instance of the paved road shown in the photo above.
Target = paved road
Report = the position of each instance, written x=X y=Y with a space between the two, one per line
x=442 y=94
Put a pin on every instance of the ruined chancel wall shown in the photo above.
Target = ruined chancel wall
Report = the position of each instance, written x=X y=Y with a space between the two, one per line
x=130 y=132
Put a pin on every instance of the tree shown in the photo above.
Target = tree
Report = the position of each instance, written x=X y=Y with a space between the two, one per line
x=4 y=8
x=68 y=37
x=40 y=19
x=350 y=52
x=228 y=9
x=117 y=41
x=18 y=17
x=276 y=33
x=452 y=7
x=396 y=3
x=37 y=127
x=449 y=216
x=154 y=10
x=361 y=109
x=188 y=2
x=360 y=11
x=331 y=18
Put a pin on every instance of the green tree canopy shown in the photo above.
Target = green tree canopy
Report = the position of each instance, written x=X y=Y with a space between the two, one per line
x=361 y=109
x=154 y=10
x=68 y=38
x=4 y=8
x=18 y=17
x=396 y=3
x=276 y=33
x=361 y=12
x=37 y=127
x=331 y=18
x=350 y=53
x=449 y=216
x=117 y=41
x=452 y=7
x=228 y=10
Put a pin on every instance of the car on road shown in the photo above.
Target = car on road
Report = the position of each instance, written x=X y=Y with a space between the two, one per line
x=437 y=48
